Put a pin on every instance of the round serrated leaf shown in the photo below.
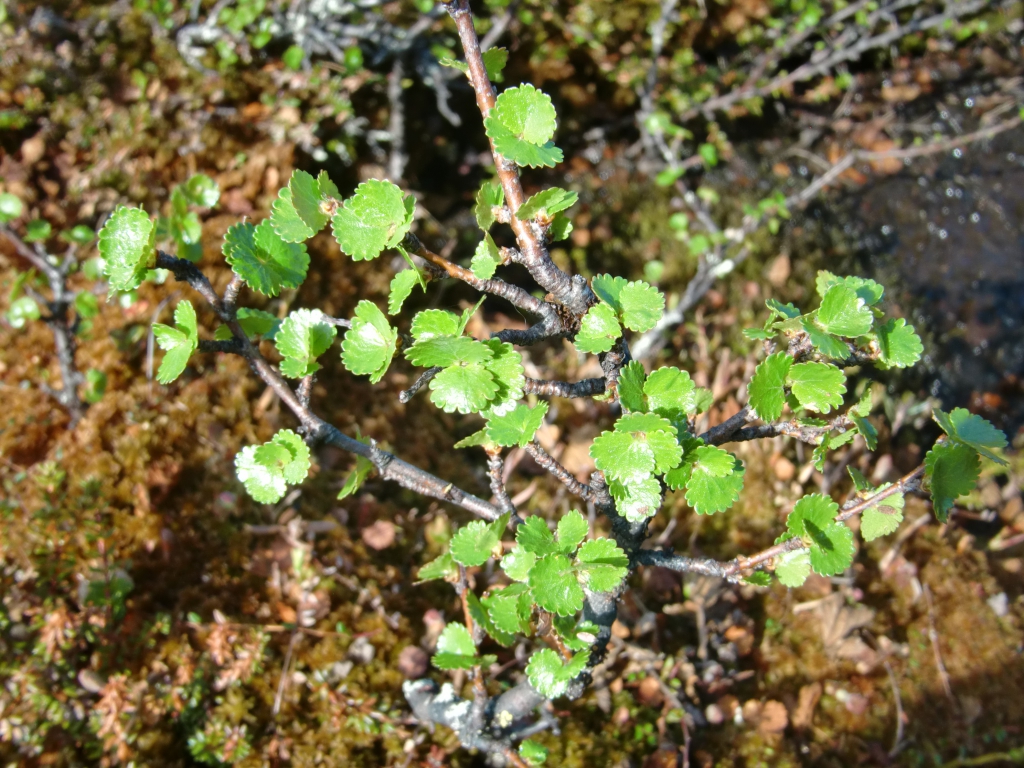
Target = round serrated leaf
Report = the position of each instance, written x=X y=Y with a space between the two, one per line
x=126 y=246
x=638 y=499
x=598 y=330
x=474 y=543
x=818 y=386
x=767 y=389
x=517 y=427
x=463 y=388
x=266 y=263
x=844 y=313
x=374 y=218
x=526 y=113
x=554 y=585
x=369 y=343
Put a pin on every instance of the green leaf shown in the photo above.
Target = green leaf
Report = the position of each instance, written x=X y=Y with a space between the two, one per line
x=475 y=543
x=971 y=430
x=844 y=313
x=659 y=434
x=546 y=204
x=10 y=207
x=598 y=331
x=22 y=310
x=786 y=311
x=830 y=543
x=868 y=290
x=447 y=61
x=179 y=344
x=439 y=568
x=572 y=529
x=533 y=535
x=96 y=385
x=256 y=322
x=638 y=499
x=256 y=471
x=297 y=465
x=554 y=585
x=818 y=386
x=758 y=579
x=401 y=288
x=533 y=753
x=456 y=650
x=561 y=228
x=263 y=260
x=624 y=454
x=86 y=305
x=477 y=439
x=825 y=343
x=296 y=215
x=882 y=518
x=952 y=471
x=369 y=344
x=465 y=388
x=447 y=350
x=482 y=618
x=793 y=568
x=490 y=196
x=486 y=259
x=670 y=393
x=303 y=336
x=37 y=230
x=517 y=427
x=709 y=154
x=631 y=387
x=434 y=322
x=518 y=563
x=80 y=234
x=608 y=289
x=201 y=190
x=767 y=390
x=577 y=636
x=549 y=676
x=602 y=565
x=866 y=429
x=494 y=62
x=521 y=125
x=713 y=478
x=509 y=608
x=376 y=217
x=293 y=57
x=642 y=306
x=126 y=245
x=506 y=366
x=899 y=345
x=355 y=479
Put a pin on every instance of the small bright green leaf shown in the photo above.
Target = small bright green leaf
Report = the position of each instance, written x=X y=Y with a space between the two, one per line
x=296 y=467
x=439 y=568
x=533 y=535
x=844 y=313
x=598 y=331
x=952 y=471
x=494 y=62
x=899 y=344
x=572 y=529
x=758 y=579
x=670 y=392
x=37 y=230
x=179 y=343
x=456 y=650
x=546 y=204
x=261 y=481
x=126 y=245
x=786 y=311
x=506 y=366
x=830 y=543
x=973 y=431
x=474 y=543
x=256 y=322
x=868 y=290
x=793 y=568
x=709 y=154
x=490 y=196
x=80 y=234
x=527 y=113
x=477 y=439
x=87 y=305
x=713 y=478
x=518 y=563
x=465 y=388
x=622 y=456
x=303 y=336
x=369 y=344
x=23 y=310
x=517 y=427
x=376 y=217
x=561 y=228
x=11 y=207
x=882 y=518
x=447 y=350
x=602 y=565
x=642 y=306
x=866 y=429
x=401 y=288
x=554 y=585
x=825 y=343
x=510 y=608
x=486 y=259
x=434 y=322
x=533 y=753
x=548 y=676
x=356 y=477
x=818 y=386
x=201 y=190
x=638 y=499
x=266 y=263
x=608 y=289
x=96 y=385
x=631 y=387
x=767 y=388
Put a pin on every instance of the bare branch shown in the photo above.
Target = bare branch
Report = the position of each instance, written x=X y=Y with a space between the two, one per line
x=563 y=475
x=424 y=378
x=583 y=388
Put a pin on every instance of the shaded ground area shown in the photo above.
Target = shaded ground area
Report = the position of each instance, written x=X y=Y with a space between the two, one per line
x=152 y=612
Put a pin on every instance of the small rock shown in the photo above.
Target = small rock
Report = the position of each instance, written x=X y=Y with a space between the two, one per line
x=621 y=717
x=361 y=651
x=380 y=535
x=773 y=717
x=649 y=693
x=412 y=662
x=32 y=150
x=620 y=630
x=90 y=681
x=779 y=271
x=339 y=671
x=1000 y=604
x=807 y=703
x=784 y=469
x=714 y=714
